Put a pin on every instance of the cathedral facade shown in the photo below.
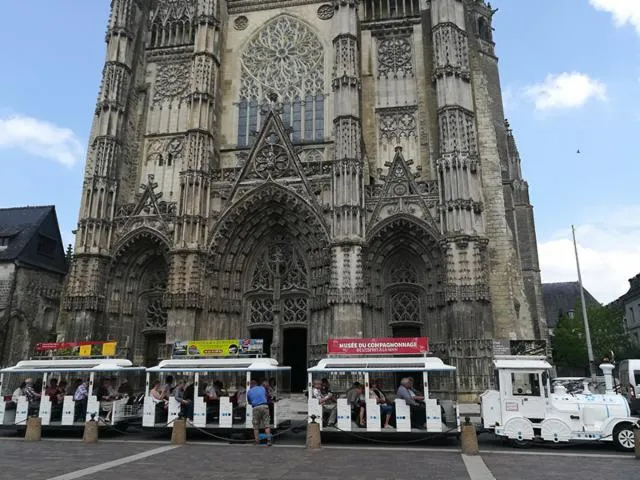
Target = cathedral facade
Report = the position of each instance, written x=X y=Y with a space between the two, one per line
x=296 y=170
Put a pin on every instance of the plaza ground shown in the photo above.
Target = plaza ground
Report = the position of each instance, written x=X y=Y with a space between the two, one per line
x=142 y=455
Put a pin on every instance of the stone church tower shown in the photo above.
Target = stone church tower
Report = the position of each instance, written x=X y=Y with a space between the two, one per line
x=295 y=170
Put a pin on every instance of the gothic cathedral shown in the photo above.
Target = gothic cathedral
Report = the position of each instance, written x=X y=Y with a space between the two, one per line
x=296 y=170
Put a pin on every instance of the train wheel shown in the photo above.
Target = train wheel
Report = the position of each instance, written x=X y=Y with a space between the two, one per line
x=624 y=437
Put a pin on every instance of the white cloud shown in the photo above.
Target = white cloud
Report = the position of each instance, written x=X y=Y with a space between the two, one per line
x=624 y=11
x=40 y=138
x=566 y=90
x=609 y=250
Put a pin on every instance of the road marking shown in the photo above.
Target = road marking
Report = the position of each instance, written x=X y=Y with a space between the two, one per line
x=476 y=468
x=557 y=454
x=114 y=463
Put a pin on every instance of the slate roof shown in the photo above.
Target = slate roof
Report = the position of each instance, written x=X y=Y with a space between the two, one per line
x=21 y=224
x=559 y=298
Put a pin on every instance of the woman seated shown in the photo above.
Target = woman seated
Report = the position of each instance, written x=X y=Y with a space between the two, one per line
x=386 y=407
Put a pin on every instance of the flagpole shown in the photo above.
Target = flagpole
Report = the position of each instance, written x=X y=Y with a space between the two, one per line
x=592 y=363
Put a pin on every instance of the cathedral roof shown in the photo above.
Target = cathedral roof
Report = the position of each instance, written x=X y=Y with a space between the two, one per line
x=559 y=298
x=19 y=228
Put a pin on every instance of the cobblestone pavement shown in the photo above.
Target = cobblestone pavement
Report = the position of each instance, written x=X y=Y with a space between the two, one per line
x=144 y=456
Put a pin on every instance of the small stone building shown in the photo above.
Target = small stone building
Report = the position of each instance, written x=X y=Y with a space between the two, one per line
x=32 y=271
x=630 y=301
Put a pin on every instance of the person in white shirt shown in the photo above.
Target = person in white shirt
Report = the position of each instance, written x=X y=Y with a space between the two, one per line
x=327 y=400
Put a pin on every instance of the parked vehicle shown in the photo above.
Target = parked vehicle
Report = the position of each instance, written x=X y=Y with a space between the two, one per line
x=629 y=371
x=524 y=409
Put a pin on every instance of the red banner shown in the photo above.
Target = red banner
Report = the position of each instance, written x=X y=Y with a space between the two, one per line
x=43 y=347
x=77 y=349
x=378 y=346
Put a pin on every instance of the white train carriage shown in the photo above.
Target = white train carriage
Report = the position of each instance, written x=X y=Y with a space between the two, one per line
x=218 y=392
x=379 y=409
x=524 y=409
x=57 y=407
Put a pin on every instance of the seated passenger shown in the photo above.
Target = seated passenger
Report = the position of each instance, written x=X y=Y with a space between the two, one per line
x=33 y=396
x=184 y=396
x=355 y=397
x=418 y=414
x=125 y=390
x=17 y=393
x=386 y=408
x=327 y=400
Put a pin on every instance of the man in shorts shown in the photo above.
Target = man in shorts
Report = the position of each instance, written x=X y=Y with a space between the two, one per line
x=257 y=398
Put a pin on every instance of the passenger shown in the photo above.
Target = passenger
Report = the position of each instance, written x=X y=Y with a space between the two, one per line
x=355 y=397
x=157 y=393
x=376 y=393
x=418 y=414
x=72 y=389
x=257 y=397
x=327 y=400
x=18 y=392
x=184 y=396
x=62 y=389
x=125 y=389
x=33 y=397
x=168 y=387
x=52 y=391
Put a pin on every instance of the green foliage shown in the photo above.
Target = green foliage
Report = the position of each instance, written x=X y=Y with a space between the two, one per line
x=606 y=324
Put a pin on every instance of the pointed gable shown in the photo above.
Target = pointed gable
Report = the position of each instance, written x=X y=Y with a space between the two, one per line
x=400 y=193
x=271 y=159
x=149 y=202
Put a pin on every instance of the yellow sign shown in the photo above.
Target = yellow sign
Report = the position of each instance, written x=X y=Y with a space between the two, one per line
x=218 y=348
x=85 y=350
x=109 y=349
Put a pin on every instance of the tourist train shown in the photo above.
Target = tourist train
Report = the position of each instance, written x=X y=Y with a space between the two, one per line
x=69 y=383
x=364 y=387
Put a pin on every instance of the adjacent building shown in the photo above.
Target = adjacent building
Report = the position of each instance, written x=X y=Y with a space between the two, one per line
x=630 y=302
x=561 y=299
x=298 y=170
x=32 y=271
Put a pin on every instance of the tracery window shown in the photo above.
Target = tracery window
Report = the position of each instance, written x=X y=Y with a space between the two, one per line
x=278 y=282
x=285 y=58
x=403 y=290
x=172 y=23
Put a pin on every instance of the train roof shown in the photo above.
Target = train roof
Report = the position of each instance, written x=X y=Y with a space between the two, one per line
x=382 y=364
x=72 y=365
x=217 y=364
x=521 y=362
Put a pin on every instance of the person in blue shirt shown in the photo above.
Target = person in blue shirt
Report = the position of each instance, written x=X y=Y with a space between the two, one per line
x=257 y=398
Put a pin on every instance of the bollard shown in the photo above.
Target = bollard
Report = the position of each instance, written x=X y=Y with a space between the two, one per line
x=179 y=433
x=90 y=434
x=34 y=429
x=637 y=440
x=313 y=434
x=469 y=438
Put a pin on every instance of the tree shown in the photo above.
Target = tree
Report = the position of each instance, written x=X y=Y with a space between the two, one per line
x=608 y=336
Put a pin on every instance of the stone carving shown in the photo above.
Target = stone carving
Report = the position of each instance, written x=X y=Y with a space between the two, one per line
x=156 y=318
x=172 y=81
x=396 y=123
x=165 y=152
x=295 y=310
x=241 y=22
x=272 y=159
x=457 y=131
x=285 y=57
x=394 y=56
x=173 y=10
x=405 y=308
x=325 y=12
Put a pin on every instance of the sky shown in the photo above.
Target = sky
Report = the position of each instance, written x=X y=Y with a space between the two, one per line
x=570 y=71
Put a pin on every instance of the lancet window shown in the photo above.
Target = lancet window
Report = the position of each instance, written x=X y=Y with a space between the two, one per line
x=287 y=59
x=404 y=292
x=172 y=23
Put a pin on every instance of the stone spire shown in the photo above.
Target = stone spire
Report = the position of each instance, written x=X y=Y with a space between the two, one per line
x=458 y=168
x=184 y=297
x=348 y=181
x=85 y=293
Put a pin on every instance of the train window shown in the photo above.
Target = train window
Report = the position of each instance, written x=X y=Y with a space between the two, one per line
x=525 y=384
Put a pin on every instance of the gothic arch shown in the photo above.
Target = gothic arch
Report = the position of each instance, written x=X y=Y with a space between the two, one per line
x=268 y=211
x=136 y=283
x=404 y=274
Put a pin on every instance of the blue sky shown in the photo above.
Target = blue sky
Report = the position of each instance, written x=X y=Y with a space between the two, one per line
x=570 y=71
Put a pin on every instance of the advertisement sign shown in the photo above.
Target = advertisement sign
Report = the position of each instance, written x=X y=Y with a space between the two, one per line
x=77 y=349
x=219 y=348
x=378 y=346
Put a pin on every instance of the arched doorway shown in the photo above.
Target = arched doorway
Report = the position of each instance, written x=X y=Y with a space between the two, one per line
x=277 y=306
x=136 y=316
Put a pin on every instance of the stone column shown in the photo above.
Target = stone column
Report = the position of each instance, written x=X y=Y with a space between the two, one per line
x=458 y=167
x=346 y=291
x=184 y=297
x=85 y=296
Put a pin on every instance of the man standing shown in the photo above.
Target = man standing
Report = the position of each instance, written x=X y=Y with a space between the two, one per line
x=257 y=397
